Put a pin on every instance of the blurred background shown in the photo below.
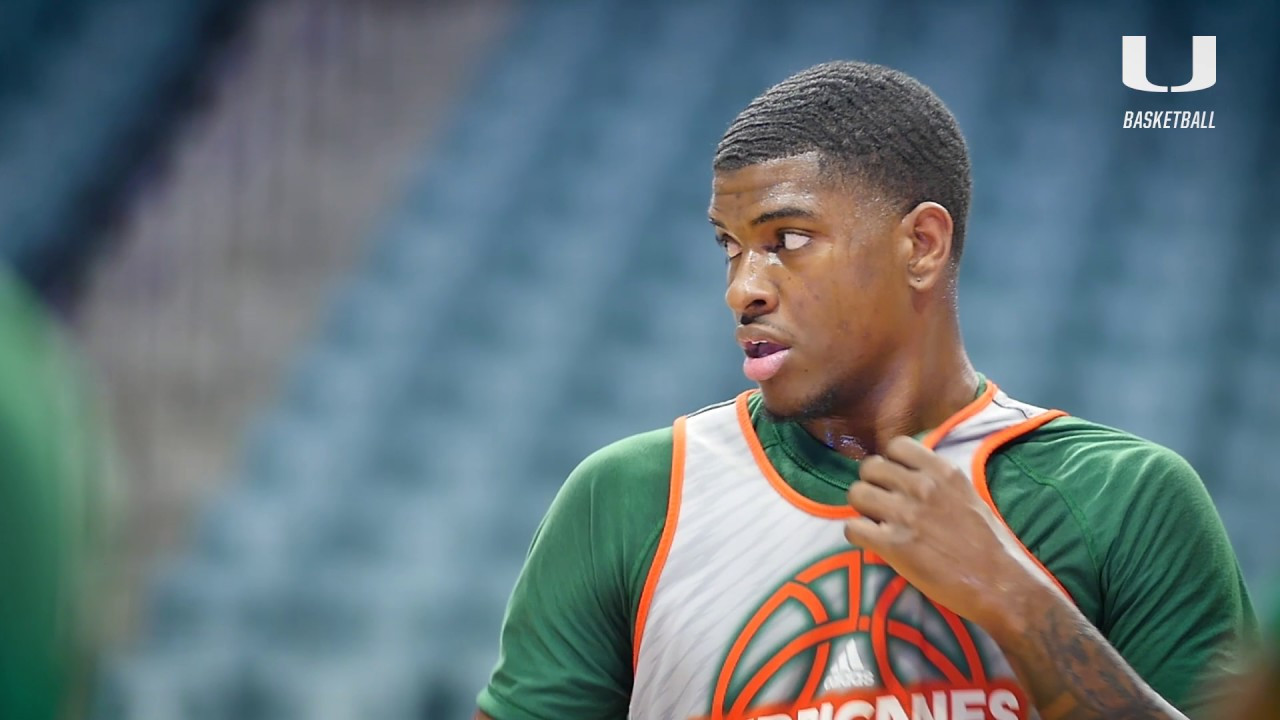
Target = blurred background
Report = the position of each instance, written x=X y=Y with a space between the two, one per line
x=307 y=307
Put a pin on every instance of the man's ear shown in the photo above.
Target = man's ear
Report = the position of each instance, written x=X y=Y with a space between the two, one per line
x=928 y=229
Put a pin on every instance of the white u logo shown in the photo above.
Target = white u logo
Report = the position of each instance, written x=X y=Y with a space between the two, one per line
x=1204 y=64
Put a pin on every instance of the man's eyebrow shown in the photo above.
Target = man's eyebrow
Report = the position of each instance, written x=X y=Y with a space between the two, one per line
x=784 y=213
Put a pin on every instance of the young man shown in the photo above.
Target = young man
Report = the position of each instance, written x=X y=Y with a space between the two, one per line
x=879 y=532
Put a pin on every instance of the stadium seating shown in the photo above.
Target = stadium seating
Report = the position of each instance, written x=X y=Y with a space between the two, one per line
x=548 y=284
x=83 y=86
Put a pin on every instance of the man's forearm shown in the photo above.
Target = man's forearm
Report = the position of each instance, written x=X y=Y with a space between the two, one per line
x=1070 y=670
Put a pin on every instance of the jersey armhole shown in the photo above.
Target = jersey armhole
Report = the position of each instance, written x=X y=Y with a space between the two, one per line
x=668 y=534
x=979 y=472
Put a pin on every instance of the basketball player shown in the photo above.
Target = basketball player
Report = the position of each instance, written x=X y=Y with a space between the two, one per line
x=879 y=531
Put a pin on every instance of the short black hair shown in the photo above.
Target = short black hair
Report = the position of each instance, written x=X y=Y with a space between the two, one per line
x=867 y=122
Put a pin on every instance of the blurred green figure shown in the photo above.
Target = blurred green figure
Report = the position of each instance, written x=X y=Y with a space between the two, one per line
x=55 y=488
x=1259 y=696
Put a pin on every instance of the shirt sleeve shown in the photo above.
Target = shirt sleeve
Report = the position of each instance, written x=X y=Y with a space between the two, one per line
x=565 y=648
x=56 y=491
x=1175 y=602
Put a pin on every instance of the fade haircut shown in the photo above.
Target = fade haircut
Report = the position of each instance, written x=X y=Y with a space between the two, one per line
x=868 y=123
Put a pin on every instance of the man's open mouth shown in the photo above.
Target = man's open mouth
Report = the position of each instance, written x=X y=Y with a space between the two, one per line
x=764 y=359
x=763 y=349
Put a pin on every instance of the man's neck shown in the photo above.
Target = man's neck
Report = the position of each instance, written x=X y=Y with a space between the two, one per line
x=913 y=398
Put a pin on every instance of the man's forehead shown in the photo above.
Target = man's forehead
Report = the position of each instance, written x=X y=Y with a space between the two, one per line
x=791 y=181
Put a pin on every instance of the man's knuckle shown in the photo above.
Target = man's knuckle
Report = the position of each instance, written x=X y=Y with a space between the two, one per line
x=926 y=486
x=908 y=515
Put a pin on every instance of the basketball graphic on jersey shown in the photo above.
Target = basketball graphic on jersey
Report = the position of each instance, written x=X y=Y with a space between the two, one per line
x=846 y=637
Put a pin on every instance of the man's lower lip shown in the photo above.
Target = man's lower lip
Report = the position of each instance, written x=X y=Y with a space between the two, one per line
x=762 y=368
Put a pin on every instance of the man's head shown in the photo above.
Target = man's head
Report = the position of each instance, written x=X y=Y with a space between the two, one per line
x=840 y=195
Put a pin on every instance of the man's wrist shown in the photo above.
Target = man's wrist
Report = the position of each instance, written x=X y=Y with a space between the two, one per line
x=1015 y=607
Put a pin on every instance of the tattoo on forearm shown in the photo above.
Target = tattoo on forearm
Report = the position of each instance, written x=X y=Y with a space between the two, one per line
x=1072 y=673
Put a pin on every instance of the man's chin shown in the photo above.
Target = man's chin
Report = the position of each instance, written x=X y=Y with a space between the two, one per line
x=781 y=405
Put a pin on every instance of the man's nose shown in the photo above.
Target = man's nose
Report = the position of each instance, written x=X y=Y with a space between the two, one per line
x=751 y=292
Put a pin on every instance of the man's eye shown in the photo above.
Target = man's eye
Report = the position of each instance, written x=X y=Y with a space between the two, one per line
x=794 y=240
x=731 y=247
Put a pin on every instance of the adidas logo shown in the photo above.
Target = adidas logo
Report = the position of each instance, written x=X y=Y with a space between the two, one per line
x=848 y=670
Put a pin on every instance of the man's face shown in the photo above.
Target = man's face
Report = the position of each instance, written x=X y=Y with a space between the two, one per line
x=817 y=283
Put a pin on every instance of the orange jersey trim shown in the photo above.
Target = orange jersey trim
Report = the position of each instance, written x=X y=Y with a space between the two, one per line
x=979 y=470
x=668 y=534
x=979 y=403
x=813 y=507
x=840 y=512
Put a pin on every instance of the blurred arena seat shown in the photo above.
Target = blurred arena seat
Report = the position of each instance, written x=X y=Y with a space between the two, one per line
x=548 y=284
x=83 y=86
